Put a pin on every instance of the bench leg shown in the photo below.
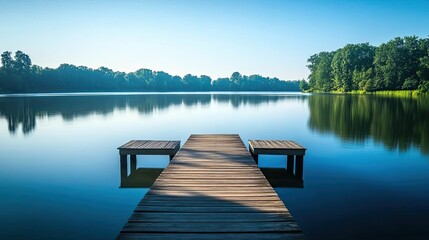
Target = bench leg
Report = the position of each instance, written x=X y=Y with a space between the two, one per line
x=255 y=157
x=290 y=163
x=299 y=170
x=123 y=167
x=133 y=163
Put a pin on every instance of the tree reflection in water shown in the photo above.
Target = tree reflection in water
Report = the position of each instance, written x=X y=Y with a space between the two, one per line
x=398 y=123
x=25 y=110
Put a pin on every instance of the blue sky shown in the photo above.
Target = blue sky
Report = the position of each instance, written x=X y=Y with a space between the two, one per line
x=215 y=38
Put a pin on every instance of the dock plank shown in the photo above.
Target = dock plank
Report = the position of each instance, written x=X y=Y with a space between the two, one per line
x=212 y=236
x=212 y=189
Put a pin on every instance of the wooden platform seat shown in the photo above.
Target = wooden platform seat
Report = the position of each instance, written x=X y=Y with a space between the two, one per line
x=149 y=147
x=294 y=152
x=143 y=147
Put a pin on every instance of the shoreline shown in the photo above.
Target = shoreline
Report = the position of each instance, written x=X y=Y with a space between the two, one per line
x=396 y=93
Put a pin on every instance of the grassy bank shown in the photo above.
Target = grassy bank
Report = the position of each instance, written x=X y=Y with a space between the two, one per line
x=394 y=93
x=399 y=93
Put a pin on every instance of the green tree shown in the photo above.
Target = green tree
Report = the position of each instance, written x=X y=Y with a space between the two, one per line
x=236 y=80
x=303 y=85
x=6 y=71
x=22 y=63
x=222 y=84
x=320 y=77
x=350 y=66
x=16 y=71
x=397 y=63
x=423 y=72
x=191 y=82
x=7 y=61
x=205 y=82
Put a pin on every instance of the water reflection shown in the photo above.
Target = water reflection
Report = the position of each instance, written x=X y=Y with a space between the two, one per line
x=282 y=178
x=139 y=177
x=134 y=177
x=25 y=110
x=398 y=123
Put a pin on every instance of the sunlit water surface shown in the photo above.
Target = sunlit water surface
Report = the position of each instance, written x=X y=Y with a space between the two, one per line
x=366 y=171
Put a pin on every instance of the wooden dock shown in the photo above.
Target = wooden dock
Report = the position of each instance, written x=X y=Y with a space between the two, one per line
x=212 y=189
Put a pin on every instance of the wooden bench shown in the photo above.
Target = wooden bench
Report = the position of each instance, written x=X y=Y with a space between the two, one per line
x=149 y=147
x=144 y=147
x=294 y=151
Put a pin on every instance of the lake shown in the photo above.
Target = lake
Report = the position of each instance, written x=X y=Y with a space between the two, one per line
x=366 y=170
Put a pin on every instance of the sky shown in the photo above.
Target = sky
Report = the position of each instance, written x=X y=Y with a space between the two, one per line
x=214 y=38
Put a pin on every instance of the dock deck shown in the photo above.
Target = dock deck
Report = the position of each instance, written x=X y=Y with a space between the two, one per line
x=212 y=189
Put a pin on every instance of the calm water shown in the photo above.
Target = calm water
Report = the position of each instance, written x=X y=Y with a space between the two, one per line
x=366 y=172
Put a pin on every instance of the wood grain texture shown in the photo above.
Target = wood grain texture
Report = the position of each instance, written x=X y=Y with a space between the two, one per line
x=149 y=144
x=275 y=144
x=212 y=189
x=139 y=147
x=279 y=147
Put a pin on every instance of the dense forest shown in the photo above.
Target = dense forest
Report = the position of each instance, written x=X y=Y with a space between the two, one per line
x=399 y=64
x=18 y=75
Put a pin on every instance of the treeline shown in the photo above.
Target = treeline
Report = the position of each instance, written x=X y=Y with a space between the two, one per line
x=18 y=75
x=399 y=64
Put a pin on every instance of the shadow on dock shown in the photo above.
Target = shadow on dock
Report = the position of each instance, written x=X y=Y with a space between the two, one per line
x=145 y=177
x=188 y=213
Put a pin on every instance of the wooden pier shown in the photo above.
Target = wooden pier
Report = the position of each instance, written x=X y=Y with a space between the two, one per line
x=212 y=189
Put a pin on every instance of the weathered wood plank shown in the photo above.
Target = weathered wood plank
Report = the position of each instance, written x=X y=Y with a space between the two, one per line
x=226 y=198
x=214 y=194
x=218 y=188
x=278 y=144
x=238 y=227
x=138 y=147
x=209 y=217
x=280 y=147
x=225 y=182
x=212 y=203
x=211 y=236
x=202 y=210
x=148 y=144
